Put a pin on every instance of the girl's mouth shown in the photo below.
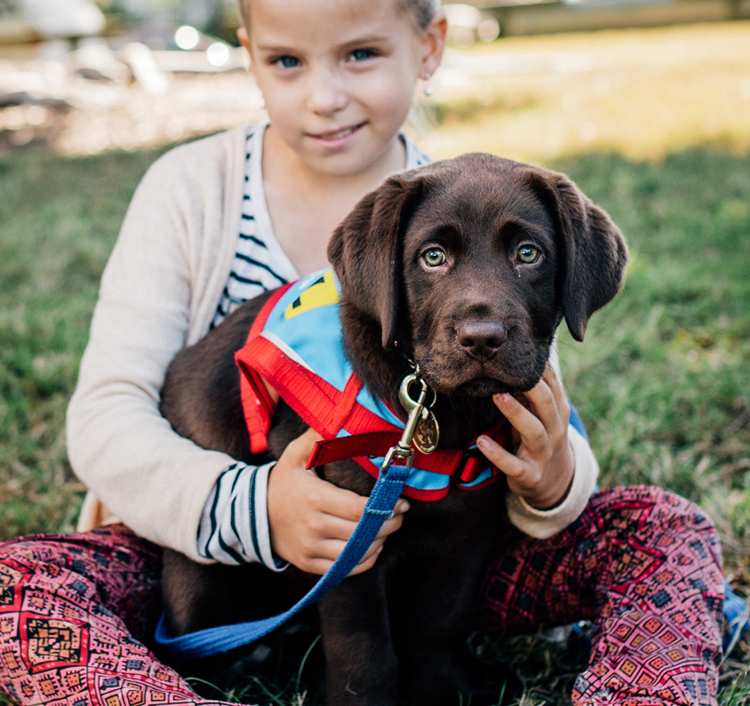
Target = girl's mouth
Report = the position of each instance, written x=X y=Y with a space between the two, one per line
x=335 y=137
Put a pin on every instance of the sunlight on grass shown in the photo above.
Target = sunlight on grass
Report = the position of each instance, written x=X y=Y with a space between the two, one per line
x=641 y=93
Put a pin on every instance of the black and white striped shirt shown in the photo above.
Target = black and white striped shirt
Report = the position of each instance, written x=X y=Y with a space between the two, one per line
x=234 y=526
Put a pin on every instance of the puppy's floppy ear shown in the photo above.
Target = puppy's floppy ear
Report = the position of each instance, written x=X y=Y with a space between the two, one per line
x=592 y=251
x=366 y=249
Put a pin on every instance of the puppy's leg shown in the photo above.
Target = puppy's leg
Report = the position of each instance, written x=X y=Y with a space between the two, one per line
x=194 y=594
x=434 y=624
x=361 y=667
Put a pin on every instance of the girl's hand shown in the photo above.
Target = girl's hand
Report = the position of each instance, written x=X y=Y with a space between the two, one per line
x=541 y=470
x=311 y=519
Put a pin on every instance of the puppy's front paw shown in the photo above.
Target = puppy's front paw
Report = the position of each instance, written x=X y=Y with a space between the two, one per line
x=444 y=681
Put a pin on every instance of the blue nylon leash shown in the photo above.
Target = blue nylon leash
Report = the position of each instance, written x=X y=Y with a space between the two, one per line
x=379 y=507
x=211 y=641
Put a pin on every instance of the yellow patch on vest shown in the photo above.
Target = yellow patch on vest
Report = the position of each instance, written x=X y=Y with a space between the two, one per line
x=322 y=292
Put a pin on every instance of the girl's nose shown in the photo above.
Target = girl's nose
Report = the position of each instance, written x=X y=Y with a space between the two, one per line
x=327 y=94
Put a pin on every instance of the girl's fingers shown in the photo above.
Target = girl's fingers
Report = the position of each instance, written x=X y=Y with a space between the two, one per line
x=299 y=450
x=555 y=385
x=557 y=408
x=338 y=502
x=367 y=563
x=372 y=552
x=330 y=551
x=335 y=528
x=508 y=463
x=391 y=525
x=344 y=504
x=530 y=427
x=544 y=406
x=547 y=411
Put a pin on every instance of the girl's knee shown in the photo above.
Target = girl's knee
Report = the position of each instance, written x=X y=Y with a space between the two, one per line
x=654 y=506
x=661 y=528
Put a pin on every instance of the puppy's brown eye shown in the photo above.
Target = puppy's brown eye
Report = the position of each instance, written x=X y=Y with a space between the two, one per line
x=434 y=257
x=528 y=254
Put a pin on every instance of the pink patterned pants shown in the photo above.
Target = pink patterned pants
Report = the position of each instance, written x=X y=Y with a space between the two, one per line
x=642 y=563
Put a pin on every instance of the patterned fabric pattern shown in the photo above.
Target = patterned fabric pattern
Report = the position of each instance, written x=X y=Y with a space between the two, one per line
x=72 y=613
x=645 y=565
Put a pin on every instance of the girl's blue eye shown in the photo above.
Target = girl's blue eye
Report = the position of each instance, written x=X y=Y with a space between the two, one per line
x=362 y=54
x=287 y=62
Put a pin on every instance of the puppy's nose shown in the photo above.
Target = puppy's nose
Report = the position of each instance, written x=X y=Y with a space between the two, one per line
x=481 y=339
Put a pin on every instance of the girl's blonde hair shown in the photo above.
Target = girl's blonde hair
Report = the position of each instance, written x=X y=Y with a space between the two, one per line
x=422 y=12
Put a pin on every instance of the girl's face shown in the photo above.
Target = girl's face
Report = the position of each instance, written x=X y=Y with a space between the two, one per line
x=338 y=76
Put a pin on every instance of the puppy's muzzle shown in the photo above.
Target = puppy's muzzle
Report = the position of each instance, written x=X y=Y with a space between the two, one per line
x=481 y=339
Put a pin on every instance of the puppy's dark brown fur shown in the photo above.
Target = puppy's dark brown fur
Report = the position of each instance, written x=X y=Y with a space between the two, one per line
x=479 y=322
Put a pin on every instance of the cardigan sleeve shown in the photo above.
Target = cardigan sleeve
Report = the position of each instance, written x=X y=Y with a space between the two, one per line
x=542 y=524
x=118 y=442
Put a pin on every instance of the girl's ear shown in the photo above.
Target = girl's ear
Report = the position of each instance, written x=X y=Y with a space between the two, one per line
x=433 y=44
x=243 y=38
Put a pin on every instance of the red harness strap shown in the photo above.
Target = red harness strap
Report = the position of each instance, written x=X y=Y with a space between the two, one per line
x=449 y=462
x=257 y=404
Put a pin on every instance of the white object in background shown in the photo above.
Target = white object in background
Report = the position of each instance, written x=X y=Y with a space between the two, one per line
x=144 y=68
x=218 y=54
x=187 y=37
x=63 y=18
x=467 y=24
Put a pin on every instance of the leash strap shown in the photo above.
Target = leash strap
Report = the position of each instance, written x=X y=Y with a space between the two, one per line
x=379 y=507
x=212 y=641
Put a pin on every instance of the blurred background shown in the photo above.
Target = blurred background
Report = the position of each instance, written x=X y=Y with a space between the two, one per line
x=84 y=77
x=645 y=103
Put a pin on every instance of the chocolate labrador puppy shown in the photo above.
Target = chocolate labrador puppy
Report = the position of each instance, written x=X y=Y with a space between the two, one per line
x=465 y=267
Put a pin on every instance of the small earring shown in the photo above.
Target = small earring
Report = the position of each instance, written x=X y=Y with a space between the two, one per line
x=427 y=86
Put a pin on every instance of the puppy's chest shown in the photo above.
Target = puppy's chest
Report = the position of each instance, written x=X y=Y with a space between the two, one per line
x=429 y=526
x=457 y=433
x=454 y=527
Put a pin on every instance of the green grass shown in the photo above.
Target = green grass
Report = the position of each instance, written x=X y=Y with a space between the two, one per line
x=663 y=379
x=58 y=222
x=641 y=92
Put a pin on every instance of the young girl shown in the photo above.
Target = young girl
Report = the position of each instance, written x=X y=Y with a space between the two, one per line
x=221 y=220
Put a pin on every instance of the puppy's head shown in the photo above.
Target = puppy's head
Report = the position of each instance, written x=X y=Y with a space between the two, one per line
x=469 y=265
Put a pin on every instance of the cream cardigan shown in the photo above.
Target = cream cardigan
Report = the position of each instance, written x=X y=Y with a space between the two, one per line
x=159 y=293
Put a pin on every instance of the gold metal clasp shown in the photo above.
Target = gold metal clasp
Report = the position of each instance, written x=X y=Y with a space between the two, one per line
x=426 y=433
x=421 y=427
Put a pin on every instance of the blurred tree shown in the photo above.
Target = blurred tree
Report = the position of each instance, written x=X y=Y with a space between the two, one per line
x=216 y=17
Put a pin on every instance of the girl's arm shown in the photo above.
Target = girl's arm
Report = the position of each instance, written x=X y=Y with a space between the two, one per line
x=553 y=471
x=153 y=288
x=310 y=520
x=159 y=293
